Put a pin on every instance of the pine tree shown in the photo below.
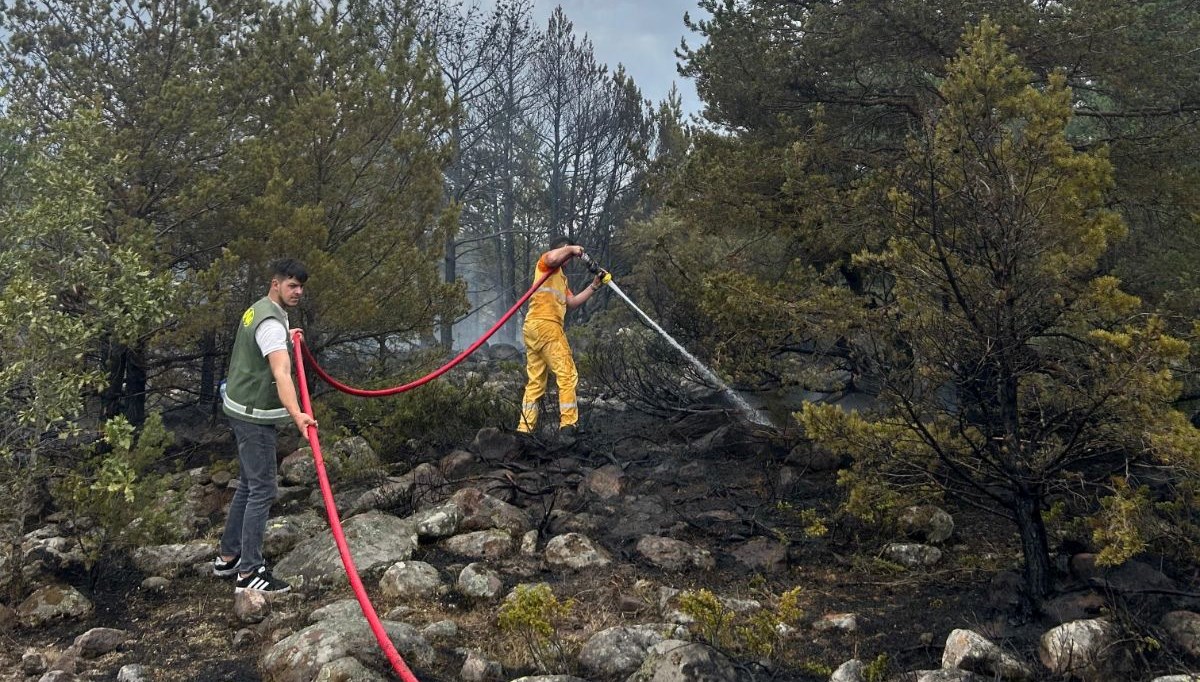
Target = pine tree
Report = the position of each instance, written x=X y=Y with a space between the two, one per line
x=1012 y=374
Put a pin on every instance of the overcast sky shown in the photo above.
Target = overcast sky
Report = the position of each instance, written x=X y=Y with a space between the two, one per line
x=641 y=34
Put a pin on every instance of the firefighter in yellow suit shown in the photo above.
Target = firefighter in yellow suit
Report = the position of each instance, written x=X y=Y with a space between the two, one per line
x=546 y=348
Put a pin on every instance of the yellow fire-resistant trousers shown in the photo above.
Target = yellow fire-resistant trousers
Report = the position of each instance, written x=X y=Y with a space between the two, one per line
x=546 y=350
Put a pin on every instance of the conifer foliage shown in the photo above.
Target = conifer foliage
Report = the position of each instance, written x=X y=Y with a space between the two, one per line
x=1012 y=374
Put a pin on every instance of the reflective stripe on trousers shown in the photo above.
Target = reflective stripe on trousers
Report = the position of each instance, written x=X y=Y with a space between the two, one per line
x=546 y=350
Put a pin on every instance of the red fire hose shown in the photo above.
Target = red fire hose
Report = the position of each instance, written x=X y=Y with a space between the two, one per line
x=302 y=353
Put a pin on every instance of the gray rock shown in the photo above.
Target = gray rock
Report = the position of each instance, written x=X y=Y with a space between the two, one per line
x=376 y=541
x=840 y=622
x=171 y=560
x=1076 y=648
x=477 y=668
x=927 y=523
x=968 y=650
x=912 y=555
x=619 y=650
x=133 y=673
x=58 y=676
x=34 y=662
x=673 y=660
x=481 y=512
x=674 y=555
x=549 y=678
x=347 y=669
x=481 y=544
x=851 y=671
x=299 y=469
x=53 y=602
x=495 y=445
x=285 y=532
x=1183 y=627
x=477 y=581
x=442 y=629
x=411 y=580
x=437 y=522
x=99 y=641
x=1189 y=677
x=762 y=554
x=529 y=543
x=576 y=552
x=605 y=483
x=456 y=464
x=944 y=675
x=155 y=583
x=251 y=606
x=300 y=657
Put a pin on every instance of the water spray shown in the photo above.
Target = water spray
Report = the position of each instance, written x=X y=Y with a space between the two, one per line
x=756 y=416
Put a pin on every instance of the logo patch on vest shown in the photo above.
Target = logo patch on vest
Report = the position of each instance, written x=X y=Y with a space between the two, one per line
x=247 y=317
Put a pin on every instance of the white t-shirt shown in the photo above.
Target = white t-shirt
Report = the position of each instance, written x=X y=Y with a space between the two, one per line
x=271 y=336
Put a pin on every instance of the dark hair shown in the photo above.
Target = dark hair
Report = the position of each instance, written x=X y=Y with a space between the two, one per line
x=289 y=268
x=560 y=240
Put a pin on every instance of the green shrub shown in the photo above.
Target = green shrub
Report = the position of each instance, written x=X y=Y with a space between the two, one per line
x=759 y=634
x=532 y=615
x=877 y=670
x=118 y=490
x=439 y=414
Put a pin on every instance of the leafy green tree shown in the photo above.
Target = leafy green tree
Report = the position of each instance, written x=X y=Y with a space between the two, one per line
x=173 y=92
x=243 y=131
x=1012 y=373
x=63 y=288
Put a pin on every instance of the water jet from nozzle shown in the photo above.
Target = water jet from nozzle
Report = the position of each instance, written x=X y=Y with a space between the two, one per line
x=757 y=416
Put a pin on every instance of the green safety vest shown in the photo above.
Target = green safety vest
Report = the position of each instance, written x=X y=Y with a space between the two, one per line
x=249 y=391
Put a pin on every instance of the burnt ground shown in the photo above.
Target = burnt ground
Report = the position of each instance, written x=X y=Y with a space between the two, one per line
x=188 y=632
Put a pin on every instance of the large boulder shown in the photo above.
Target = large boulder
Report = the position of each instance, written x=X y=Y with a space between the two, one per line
x=412 y=580
x=619 y=650
x=674 y=555
x=968 y=650
x=482 y=511
x=51 y=603
x=171 y=560
x=1081 y=648
x=377 y=540
x=343 y=632
x=674 y=660
x=1183 y=627
x=575 y=552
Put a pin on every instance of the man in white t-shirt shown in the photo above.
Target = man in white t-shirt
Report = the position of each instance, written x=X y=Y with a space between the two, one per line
x=257 y=395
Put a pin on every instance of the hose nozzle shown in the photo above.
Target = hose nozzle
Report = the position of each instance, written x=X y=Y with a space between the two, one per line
x=591 y=264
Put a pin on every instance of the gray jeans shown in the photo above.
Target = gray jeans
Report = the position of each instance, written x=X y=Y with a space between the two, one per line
x=256 y=490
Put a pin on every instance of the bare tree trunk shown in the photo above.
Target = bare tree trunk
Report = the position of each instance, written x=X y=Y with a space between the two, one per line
x=1027 y=508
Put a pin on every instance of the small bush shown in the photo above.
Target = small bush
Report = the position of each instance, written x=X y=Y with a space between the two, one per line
x=532 y=615
x=759 y=634
x=437 y=415
x=117 y=488
x=878 y=669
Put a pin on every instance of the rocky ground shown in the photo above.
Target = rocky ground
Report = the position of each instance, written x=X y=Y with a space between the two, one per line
x=629 y=523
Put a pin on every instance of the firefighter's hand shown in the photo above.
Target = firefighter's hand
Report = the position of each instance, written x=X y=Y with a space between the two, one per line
x=600 y=279
x=577 y=249
x=298 y=333
x=303 y=421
